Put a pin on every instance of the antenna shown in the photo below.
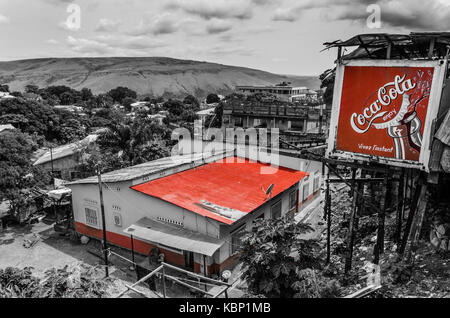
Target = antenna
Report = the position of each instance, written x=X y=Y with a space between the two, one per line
x=268 y=191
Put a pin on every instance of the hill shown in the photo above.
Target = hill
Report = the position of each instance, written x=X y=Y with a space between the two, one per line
x=156 y=76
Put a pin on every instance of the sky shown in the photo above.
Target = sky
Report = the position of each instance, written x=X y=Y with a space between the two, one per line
x=279 y=36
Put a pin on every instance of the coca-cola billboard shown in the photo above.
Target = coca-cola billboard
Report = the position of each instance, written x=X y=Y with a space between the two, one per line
x=383 y=110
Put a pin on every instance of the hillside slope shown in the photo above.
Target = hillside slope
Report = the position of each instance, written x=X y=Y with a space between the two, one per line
x=157 y=76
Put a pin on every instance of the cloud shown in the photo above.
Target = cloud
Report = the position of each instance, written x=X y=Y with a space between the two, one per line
x=410 y=14
x=220 y=9
x=287 y=14
x=52 y=41
x=88 y=47
x=107 y=25
x=165 y=23
x=3 y=19
x=117 y=45
x=215 y=26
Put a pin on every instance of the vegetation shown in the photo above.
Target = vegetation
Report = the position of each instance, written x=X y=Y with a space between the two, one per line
x=280 y=263
x=57 y=283
x=212 y=98
x=16 y=171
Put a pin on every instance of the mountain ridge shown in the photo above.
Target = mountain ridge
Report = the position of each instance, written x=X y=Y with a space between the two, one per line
x=155 y=76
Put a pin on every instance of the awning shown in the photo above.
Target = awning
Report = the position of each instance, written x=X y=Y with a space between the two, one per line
x=172 y=236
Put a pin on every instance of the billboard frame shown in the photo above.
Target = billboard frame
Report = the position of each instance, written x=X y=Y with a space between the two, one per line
x=440 y=70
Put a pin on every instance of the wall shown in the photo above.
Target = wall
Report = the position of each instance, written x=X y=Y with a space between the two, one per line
x=66 y=165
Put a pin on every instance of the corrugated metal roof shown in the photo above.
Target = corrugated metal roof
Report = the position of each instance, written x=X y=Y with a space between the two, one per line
x=224 y=191
x=443 y=134
x=206 y=112
x=66 y=150
x=145 y=169
x=6 y=127
x=160 y=233
x=413 y=45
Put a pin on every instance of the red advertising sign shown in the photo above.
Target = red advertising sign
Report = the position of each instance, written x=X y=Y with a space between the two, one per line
x=384 y=109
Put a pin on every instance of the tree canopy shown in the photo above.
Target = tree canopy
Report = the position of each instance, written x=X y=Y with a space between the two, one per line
x=279 y=262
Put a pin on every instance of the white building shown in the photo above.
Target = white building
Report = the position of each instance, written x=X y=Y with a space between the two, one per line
x=282 y=93
x=193 y=209
x=140 y=106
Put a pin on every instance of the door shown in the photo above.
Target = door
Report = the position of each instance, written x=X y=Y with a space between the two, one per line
x=189 y=260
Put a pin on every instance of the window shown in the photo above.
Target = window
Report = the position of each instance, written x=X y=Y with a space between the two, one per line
x=305 y=192
x=117 y=219
x=91 y=216
x=57 y=174
x=316 y=184
x=75 y=175
x=236 y=239
x=293 y=200
x=275 y=211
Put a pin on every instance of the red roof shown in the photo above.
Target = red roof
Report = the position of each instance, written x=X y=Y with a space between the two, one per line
x=211 y=190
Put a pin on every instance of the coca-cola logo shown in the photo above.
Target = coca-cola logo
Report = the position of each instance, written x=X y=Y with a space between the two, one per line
x=380 y=108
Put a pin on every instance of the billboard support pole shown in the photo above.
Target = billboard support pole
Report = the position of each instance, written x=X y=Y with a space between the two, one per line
x=414 y=199
x=351 y=224
x=400 y=206
x=328 y=216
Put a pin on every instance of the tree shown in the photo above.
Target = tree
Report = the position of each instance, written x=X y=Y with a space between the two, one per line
x=212 y=98
x=41 y=118
x=174 y=107
x=193 y=102
x=33 y=89
x=215 y=121
x=327 y=78
x=135 y=142
x=16 y=170
x=279 y=262
x=127 y=101
x=120 y=93
x=4 y=88
x=86 y=94
x=68 y=98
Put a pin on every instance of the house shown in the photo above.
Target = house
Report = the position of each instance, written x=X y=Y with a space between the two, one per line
x=69 y=108
x=6 y=95
x=6 y=127
x=64 y=160
x=193 y=208
x=286 y=93
x=203 y=114
x=140 y=106
x=158 y=117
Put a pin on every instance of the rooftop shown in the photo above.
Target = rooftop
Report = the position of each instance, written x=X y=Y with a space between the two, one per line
x=223 y=191
x=206 y=112
x=6 y=127
x=66 y=150
x=148 y=168
x=166 y=234
x=271 y=87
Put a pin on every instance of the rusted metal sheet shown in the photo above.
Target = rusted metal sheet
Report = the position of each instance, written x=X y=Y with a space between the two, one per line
x=445 y=159
x=436 y=154
x=443 y=133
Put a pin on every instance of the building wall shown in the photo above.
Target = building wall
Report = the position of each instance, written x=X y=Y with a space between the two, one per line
x=131 y=205
x=64 y=165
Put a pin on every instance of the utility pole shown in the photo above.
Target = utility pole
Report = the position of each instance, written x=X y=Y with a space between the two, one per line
x=53 y=172
x=102 y=208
